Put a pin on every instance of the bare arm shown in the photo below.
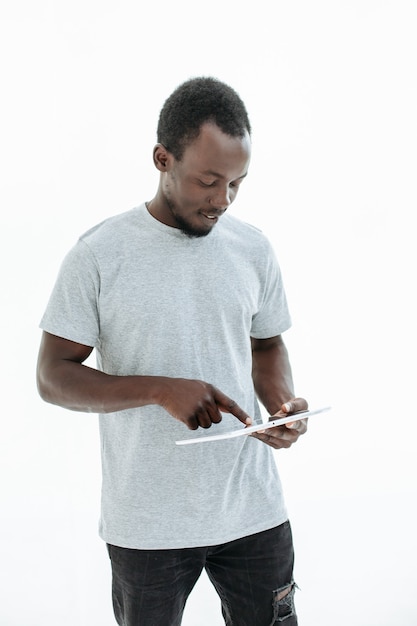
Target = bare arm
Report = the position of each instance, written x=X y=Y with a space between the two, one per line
x=272 y=377
x=271 y=372
x=64 y=380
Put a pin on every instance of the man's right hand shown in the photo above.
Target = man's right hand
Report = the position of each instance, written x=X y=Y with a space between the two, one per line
x=196 y=403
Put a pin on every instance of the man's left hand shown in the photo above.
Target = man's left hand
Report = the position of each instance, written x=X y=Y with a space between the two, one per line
x=284 y=436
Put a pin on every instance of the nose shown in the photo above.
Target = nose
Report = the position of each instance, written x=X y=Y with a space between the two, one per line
x=221 y=199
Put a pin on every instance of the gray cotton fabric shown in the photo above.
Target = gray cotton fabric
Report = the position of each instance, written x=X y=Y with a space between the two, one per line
x=153 y=301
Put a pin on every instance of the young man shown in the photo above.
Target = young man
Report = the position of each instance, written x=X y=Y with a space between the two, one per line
x=185 y=307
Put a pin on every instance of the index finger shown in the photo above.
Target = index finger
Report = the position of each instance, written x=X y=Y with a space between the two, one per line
x=227 y=405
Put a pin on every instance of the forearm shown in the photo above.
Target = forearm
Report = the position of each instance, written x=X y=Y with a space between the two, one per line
x=271 y=373
x=80 y=388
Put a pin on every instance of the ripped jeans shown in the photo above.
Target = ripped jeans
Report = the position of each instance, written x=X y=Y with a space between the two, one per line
x=253 y=577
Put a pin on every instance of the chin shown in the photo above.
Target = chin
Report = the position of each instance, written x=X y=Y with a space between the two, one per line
x=194 y=232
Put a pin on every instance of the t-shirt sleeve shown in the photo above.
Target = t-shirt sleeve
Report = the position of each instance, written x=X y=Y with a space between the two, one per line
x=273 y=317
x=72 y=310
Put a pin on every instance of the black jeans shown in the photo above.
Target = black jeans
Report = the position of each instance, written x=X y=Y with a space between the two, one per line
x=250 y=575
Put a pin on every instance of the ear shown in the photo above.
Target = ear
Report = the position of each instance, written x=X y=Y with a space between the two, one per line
x=161 y=157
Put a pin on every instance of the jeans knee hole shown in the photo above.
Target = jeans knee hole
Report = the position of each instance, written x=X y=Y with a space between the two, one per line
x=283 y=603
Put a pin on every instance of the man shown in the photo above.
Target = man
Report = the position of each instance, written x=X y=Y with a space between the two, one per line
x=185 y=307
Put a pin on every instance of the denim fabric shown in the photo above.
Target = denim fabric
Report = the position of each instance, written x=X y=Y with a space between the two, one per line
x=250 y=575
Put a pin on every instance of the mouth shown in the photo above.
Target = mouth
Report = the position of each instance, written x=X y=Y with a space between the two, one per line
x=211 y=217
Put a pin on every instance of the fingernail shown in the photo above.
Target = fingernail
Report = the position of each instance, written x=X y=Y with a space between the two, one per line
x=288 y=406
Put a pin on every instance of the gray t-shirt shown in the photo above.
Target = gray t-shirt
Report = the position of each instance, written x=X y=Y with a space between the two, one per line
x=153 y=301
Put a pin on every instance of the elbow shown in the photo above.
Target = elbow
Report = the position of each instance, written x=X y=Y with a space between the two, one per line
x=47 y=380
x=43 y=385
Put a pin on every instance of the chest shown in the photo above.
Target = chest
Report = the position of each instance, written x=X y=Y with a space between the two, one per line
x=189 y=285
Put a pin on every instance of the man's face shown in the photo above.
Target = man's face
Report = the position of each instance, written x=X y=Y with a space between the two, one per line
x=199 y=188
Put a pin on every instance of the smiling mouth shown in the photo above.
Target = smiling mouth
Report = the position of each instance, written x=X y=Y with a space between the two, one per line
x=211 y=216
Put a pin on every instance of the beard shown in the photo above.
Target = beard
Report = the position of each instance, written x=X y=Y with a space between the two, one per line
x=185 y=226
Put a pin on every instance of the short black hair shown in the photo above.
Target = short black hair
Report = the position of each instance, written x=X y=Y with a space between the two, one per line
x=194 y=102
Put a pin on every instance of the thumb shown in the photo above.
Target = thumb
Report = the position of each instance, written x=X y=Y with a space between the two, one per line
x=293 y=406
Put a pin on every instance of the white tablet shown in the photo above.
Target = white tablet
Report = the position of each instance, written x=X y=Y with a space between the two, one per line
x=247 y=430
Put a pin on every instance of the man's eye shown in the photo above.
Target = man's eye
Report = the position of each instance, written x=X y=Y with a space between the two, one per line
x=205 y=184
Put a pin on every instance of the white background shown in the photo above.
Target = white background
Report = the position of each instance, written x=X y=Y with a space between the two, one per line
x=331 y=90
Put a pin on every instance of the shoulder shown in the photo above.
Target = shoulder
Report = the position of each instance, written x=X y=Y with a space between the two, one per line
x=111 y=227
x=116 y=236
